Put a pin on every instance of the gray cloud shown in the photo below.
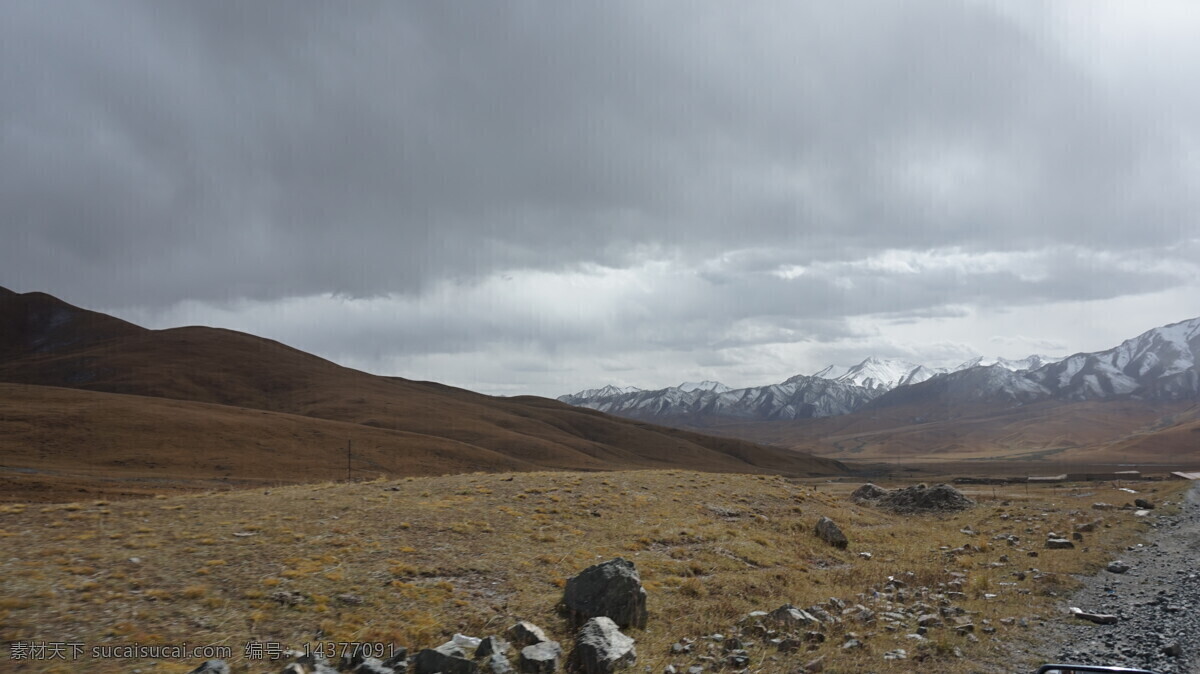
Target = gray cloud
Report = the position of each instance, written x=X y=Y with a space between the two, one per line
x=905 y=161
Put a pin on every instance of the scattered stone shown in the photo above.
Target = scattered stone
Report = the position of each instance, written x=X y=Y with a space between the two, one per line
x=1098 y=618
x=288 y=598
x=929 y=620
x=1117 y=567
x=1143 y=504
x=211 y=667
x=540 y=658
x=898 y=654
x=496 y=663
x=612 y=590
x=791 y=616
x=371 y=666
x=831 y=534
x=601 y=648
x=492 y=645
x=1059 y=544
x=868 y=492
x=1172 y=649
x=865 y=555
x=525 y=634
x=1087 y=526
x=448 y=658
x=815 y=665
x=789 y=645
x=721 y=511
x=852 y=644
x=1103 y=506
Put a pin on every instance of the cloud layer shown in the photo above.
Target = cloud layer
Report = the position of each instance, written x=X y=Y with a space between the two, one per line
x=706 y=187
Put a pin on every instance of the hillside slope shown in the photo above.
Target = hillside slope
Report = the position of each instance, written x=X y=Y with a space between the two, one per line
x=48 y=343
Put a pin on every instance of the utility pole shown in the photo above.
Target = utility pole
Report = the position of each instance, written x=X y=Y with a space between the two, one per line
x=348 y=460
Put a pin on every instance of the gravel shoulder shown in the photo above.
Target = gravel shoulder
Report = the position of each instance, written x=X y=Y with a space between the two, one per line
x=1156 y=602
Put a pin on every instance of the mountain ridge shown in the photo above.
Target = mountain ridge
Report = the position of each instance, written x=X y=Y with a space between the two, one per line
x=1158 y=364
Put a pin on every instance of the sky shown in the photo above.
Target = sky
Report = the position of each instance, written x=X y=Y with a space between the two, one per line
x=541 y=197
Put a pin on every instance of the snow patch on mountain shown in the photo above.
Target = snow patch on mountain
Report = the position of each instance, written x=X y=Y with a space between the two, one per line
x=705 y=385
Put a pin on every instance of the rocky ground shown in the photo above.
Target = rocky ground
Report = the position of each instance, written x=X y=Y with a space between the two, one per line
x=1156 y=603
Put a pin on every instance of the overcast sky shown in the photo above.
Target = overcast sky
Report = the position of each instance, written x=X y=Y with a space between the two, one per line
x=540 y=197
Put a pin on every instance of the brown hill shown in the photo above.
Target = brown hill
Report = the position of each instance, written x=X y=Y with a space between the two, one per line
x=224 y=381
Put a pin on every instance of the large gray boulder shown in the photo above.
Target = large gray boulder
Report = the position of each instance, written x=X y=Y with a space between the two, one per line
x=612 y=590
x=831 y=534
x=540 y=658
x=601 y=648
x=448 y=658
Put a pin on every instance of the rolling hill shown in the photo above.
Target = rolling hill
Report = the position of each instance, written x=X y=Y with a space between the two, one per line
x=98 y=398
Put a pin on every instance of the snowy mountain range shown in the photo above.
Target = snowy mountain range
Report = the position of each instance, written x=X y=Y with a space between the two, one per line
x=1159 y=364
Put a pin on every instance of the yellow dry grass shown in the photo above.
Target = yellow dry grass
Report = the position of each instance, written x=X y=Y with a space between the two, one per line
x=415 y=560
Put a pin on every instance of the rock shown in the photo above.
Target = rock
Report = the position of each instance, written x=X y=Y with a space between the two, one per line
x=815 y=665
x=852 y=644
x=1172 y=649
x=1117 y=567
x=496 y=663
x=601 y=648
x=1087 y=526
x=541 y=658
x=494 y=644
x=789 y=645
x=1143 y=504
x=211 y=667
x=929 y=620
x=1098 y=618
x=612 y=590
x=791 y=616
x=1076 y=536
x=941 y=498
x=371 y=666
x=1059 y=544
x=865 y=555
x=399 y=660
x=1103 y=506
x=831 y=534
x=868 y=492
x=898 y=654
x=447 y=659
x=525 y=634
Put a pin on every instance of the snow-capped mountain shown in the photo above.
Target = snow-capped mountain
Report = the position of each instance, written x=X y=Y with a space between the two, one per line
x=1159 y=364
x=1021 y=365
x=878 y=373
x=706 y=385
x=801 y=397
x=605 y=392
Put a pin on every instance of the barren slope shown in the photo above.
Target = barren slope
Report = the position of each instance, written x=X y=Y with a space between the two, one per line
x=316 y=406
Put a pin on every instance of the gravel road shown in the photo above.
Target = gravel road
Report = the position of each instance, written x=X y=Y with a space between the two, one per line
x=1157 y=602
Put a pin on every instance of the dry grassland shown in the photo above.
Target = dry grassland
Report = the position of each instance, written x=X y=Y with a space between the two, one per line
x=415 y=560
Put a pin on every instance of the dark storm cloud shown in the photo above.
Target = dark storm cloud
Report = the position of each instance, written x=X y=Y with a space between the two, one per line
x=154 y=151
